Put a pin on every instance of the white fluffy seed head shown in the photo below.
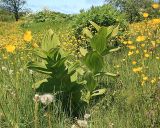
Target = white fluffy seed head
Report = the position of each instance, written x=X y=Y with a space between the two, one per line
x=87 y=116
x=10 y=72
x=46 y=99
x=4 y=68
x=31 y=72
x=82 y=123
x=74 y=126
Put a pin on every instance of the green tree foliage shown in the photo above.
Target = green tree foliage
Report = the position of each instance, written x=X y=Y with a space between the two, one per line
x=132 y=8
x=13 y=6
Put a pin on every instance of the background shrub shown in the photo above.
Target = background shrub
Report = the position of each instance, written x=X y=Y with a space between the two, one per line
x=105 y=15
x=133 y=9
x=6 y=16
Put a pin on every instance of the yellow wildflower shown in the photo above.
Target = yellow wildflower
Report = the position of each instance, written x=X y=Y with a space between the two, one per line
x=10 y=48
x=156 y=21
x=138 y=69
x=145 y=15
x=145 y=78
x=142 y=83
x=5 y=57
x=134 y=62
x=131 y=47
x=155 y=5
x=125 y=42
x=130 y=53
x=129 y=42
x=153 y=44
x=146 y=55
x=140 y=38
x=145 y=51
x=117 y=66
x=27 y=36
x=142 y=45
x=35 y=45
x=137 y=51
x=153 y=80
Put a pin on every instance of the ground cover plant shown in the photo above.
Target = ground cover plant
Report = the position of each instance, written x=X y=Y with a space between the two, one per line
x=49 y=78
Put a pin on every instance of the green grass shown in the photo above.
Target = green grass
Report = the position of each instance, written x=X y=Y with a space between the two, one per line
x=126 y=104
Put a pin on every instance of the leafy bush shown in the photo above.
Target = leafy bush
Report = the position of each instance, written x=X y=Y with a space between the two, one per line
x=104 y=15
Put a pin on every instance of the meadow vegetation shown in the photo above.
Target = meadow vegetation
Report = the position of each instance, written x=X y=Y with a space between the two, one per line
x=57 y=69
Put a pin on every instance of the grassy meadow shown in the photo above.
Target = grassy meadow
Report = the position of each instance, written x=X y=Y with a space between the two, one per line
x=131 y=100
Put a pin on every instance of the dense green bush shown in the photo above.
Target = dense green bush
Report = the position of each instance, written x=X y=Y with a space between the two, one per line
x=104 y=15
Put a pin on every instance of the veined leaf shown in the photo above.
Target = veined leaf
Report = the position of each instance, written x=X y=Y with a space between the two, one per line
x=94 y=61
x=54 y=54
x=50 y=41
x=72 y=68
x=91 y=82
x=40 y=53
x=98 y=42
x=39 y=67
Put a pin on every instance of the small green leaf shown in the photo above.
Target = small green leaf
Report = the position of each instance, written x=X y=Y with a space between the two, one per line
x=86 y=96
x=115 y=49
x=115 y=31
x=74 y=77
x=97 y=27
x=37 y=84
x=80 y=71
x=109 y=50
x=98 y=92
x=83 y=51
x=106 y=74
x=87 y=33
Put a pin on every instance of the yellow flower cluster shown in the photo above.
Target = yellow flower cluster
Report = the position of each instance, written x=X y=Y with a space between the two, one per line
x=143 y=48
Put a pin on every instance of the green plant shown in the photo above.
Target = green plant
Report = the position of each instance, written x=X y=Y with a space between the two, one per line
x=74 y=80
